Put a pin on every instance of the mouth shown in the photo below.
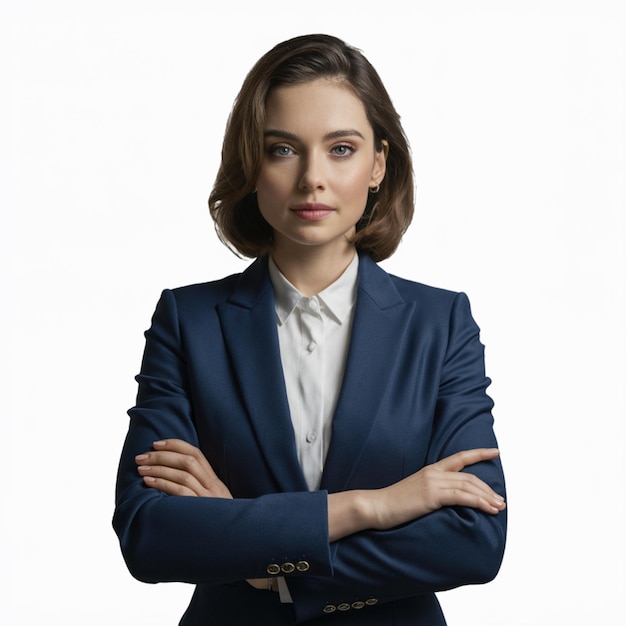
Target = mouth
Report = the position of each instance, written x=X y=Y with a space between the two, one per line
x=312 y=211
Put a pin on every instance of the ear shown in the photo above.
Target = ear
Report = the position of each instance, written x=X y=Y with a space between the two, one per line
x=380 y=164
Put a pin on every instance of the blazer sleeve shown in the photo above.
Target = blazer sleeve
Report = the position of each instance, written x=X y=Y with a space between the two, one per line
x=200 y=540
x=450 y=547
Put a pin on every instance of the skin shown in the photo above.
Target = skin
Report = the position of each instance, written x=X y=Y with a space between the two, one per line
x=319 y=149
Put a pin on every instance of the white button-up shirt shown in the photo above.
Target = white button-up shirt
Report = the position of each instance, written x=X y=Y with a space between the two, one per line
x=314 y=335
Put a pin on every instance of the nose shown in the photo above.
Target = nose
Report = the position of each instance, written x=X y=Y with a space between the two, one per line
x=312 y=177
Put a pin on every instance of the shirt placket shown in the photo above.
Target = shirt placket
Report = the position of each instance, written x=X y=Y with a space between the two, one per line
x=311 y=381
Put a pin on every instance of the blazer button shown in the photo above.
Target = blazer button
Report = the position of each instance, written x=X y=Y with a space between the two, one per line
x=358 y=605
x=330 y=608
x=371 y=601
x=344 y=606
x=302 y=566
x=273 y=569
x=287 y=568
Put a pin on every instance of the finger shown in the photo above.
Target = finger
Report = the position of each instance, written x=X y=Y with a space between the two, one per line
x=471 y=491
x=176 y=460
x=179 y=455
x=171 y=488
x=449 y=488
x=176 y=445
x=467 y=481
x=184 y=479
x=184 y=470
x=456 y=462
x=183 y=447
x=259 y=583
x=456 y=497
x=169 y=459
x=469 y=485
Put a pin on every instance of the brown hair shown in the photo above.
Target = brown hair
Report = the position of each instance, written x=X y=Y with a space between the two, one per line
x=232 y=202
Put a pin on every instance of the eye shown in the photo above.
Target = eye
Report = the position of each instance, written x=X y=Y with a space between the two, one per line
x=342 y=150
x=280 y=150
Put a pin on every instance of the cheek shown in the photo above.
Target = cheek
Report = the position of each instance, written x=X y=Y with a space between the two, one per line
x=358 y=176
x=271 y=194
x=357 y=186
x=271 y=184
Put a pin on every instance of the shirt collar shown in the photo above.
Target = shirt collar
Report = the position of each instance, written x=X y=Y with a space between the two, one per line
x=337 y=299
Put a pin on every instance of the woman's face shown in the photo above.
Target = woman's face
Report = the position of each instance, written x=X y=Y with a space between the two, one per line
x=318 y=164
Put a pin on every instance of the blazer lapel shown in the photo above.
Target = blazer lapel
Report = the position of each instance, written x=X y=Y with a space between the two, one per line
x=248 y=322
x=381 y=317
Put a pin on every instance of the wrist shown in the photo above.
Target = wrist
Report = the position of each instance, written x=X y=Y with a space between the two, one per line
x=363 y=508
x=349 y=512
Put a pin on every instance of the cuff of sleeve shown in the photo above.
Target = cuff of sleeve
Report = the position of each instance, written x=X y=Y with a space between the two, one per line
x=283 y=591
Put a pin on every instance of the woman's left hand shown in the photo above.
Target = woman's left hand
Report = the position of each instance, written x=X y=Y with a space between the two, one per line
x=180 y=469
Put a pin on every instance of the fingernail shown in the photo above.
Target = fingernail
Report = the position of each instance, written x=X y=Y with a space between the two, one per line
x=141 y=457
x=159 y=443
x=149 y=479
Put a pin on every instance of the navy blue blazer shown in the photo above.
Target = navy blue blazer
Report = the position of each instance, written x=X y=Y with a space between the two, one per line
x=414 y=391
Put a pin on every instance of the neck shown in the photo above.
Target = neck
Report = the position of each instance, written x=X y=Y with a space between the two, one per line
x=310 y=270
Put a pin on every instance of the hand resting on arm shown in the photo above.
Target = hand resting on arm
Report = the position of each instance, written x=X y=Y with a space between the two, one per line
x=177 y=468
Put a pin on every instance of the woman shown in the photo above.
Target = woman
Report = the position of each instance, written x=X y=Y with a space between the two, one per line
x=312 y=440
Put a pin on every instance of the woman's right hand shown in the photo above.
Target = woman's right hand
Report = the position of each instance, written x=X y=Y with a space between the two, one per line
x=435 y=486
x=178 y=468
x=431 y=488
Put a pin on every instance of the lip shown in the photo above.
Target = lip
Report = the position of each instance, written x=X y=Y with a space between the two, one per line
x=312 y=211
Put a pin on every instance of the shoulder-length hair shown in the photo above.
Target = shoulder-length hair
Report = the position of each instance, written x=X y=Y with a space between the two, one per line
x=233 y=204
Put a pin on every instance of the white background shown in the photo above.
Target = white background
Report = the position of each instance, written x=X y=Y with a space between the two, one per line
x=111 y=118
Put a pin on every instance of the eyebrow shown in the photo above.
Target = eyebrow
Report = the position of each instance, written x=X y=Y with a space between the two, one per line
x=335 y=134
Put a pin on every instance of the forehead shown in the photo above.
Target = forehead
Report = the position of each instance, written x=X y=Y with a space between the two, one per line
x=323 y=104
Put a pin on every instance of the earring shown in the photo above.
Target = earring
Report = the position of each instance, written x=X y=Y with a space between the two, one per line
x=375 y=188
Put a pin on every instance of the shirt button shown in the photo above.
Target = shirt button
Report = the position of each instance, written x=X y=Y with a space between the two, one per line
x=311 y=436
x=313 y=305
x=312 y=345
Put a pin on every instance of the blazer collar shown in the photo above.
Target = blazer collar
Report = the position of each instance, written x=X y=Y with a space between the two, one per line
x=248 y=321
x=381 y=318
x=254 y=282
